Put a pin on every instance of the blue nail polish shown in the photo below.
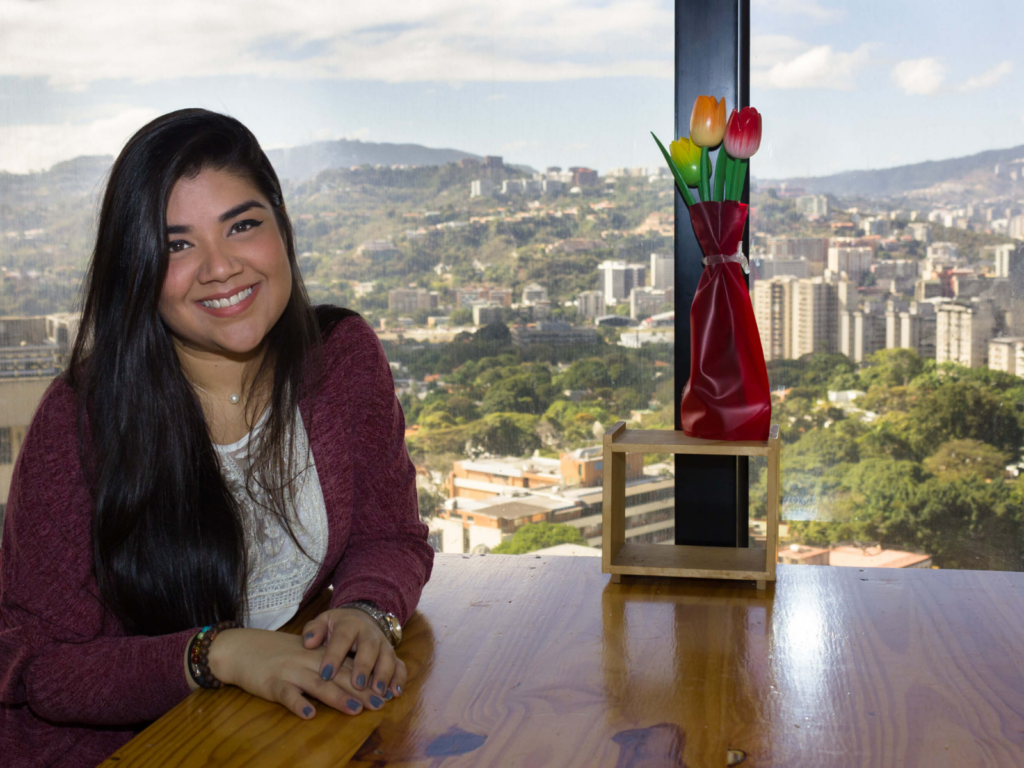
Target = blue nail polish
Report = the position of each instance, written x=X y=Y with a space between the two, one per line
x=307 y=711
x=327 y=672
x=309 y=635
x=381 y=686
x=376 y=701
x=353 y=704
x=361 y=681
x=399 y=689
x=389 y=696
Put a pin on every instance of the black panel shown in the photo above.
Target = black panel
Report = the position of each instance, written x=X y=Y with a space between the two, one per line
x=712 y=58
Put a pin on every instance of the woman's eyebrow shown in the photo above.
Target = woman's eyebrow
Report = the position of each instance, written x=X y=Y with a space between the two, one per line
x=178 y=229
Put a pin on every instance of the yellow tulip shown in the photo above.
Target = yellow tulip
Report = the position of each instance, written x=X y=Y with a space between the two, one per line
x=686 y=156
x=707 y=121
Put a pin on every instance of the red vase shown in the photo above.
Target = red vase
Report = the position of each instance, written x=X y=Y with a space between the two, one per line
x=727 y=395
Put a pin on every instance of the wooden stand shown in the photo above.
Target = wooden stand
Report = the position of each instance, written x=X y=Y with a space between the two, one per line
x=618 y=557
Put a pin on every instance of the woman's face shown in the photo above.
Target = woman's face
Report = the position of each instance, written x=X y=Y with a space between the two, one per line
x=228 y=279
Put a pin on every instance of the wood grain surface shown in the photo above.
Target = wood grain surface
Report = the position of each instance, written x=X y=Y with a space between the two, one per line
x=541 y=661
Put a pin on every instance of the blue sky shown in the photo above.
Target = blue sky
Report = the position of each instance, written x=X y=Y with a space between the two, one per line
x=841 y=84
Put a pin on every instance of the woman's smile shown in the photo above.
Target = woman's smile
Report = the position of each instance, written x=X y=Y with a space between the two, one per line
x=230 y=304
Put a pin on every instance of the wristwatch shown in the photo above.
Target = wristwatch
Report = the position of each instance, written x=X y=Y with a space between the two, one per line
x=387 y=622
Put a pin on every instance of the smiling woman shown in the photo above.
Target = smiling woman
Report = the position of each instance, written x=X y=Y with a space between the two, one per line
x=215 y=490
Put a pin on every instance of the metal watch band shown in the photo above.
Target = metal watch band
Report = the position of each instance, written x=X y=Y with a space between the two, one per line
x=380 y=617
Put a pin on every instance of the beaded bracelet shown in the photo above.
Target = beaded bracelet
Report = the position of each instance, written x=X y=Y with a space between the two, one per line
x=199 y=651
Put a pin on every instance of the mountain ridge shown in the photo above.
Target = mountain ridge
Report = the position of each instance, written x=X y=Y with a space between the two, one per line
x=904 y=179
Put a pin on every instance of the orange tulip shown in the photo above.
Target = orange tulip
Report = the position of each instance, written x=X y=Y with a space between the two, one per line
x=707 y=121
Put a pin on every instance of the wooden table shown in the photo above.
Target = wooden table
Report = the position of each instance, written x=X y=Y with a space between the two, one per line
x=531 y=661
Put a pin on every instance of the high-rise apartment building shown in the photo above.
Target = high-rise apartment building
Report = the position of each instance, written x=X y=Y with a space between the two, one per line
x=590 y=304
x=619 y=278
x=862 y=331
x=773 y=310
x=1004 y=353
x=663 y=271
x=815 y=317
x=918 y=328
x=854 y=260
x=963 y=331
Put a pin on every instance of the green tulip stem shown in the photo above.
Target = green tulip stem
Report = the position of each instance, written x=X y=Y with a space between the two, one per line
x=721 y=172
x=739 y=175
x=729 y=162
x=683 y=189
x=705 y=170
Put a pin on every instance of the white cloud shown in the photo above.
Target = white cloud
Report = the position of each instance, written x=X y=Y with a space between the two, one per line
x=919 y=76
x=25 y=148
x=815 y=67
x=809 y=8
x=73 y=43
x=988 y=78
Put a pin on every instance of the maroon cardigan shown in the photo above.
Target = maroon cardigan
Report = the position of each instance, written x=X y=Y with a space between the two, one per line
x=73 y=687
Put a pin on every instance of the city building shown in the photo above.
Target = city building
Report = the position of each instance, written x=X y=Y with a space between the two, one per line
x=486 y=313
x=407 y=301
x=619 y=278
x=767 y=268
x=921 y=231
x=663 y=271
x=862 y=332
x=644 y=302
x=815 y=317
x=534 y=292
x=553 y=333
x=940 y=256
x=589 y=304
x=814 y=249
x=812 y=205
x=1015 y=227
x=773 y=311
x=918 y=326
x=1003 y=353
x=378 y=249
x=490 y=498
x=902 y=272
x=481 y=188
x=963 y=331
x=854 y=260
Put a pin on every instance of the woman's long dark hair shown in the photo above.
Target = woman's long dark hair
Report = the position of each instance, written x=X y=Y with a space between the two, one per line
x=167 y=536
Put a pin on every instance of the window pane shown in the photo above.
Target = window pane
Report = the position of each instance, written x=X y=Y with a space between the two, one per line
x=479 y=183
x=888 y=256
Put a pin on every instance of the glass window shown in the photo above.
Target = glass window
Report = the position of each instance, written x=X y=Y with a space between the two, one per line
x=888 y=249
x=480 y=184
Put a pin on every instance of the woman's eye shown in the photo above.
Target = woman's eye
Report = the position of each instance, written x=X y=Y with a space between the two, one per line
x=245 y=225
x=177 y=246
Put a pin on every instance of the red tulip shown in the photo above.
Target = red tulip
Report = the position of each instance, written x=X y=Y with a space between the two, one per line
x=743 y=133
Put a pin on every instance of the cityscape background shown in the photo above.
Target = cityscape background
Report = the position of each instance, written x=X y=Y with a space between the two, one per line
x=482 y=188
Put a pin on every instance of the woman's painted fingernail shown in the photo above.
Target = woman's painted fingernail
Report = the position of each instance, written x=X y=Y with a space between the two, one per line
x=307 y=711
x=353 y=704
x=389 y=696
x=381 y=686
x=361 y=681
x=399 y=689
x=309 y=635
x=327 y=672
x=375 y=701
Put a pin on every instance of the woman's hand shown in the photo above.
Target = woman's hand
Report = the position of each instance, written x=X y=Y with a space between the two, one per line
x=275 y=666
x=376 y=667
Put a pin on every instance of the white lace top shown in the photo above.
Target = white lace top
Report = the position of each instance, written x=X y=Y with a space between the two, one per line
x=279 y=573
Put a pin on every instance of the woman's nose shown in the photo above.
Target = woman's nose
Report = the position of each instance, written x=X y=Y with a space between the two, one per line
x=219 y=264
